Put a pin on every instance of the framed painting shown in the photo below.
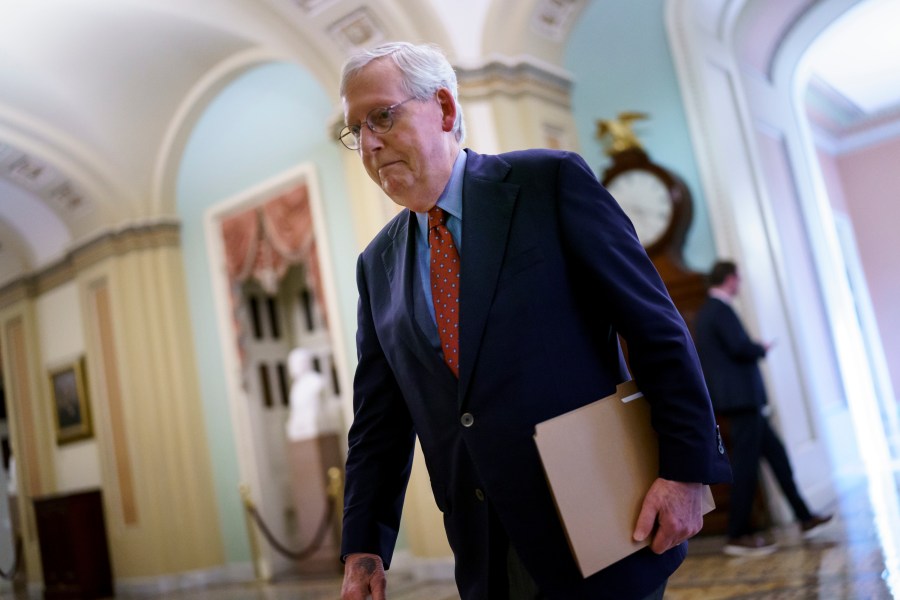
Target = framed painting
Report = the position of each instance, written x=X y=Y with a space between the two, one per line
x=71 y=410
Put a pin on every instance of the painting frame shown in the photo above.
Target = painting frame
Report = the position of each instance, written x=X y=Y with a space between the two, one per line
x=69 y=401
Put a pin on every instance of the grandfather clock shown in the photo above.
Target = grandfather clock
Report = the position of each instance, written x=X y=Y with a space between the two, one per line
x=659 y=205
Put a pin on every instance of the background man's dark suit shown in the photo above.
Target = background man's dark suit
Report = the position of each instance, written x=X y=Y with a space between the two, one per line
x=730 y=361
x=551 y=272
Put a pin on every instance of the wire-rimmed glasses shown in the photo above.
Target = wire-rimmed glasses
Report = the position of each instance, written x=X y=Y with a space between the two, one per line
x=379 y=120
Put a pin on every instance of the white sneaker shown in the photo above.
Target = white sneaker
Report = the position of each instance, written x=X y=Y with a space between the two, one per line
x=749 y=545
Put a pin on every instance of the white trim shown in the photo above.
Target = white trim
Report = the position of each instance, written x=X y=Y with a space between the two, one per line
x=138 y=587
x=734 y=173
x=729 y=112
x=169 y=155
x=848 y=143
x=237 y=396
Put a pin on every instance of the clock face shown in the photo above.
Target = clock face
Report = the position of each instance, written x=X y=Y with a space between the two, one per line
x=646 y=201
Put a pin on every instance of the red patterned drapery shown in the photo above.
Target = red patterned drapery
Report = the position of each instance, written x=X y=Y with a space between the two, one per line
x=265 y=241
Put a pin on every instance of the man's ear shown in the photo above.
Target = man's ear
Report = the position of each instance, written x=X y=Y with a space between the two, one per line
x=448 y=108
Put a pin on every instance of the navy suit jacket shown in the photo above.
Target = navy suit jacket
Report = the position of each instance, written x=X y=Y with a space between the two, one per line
x=730 y=359
x=551 y=271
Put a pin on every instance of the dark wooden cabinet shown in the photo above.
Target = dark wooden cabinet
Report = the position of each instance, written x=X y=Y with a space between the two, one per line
x=74 y=551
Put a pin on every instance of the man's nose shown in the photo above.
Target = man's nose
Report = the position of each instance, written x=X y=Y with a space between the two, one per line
x=369 y=140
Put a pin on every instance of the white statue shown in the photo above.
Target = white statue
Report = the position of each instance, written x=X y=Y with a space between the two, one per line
x=309 y=416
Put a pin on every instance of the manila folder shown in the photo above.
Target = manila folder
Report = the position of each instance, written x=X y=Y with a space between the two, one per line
x=600 y=460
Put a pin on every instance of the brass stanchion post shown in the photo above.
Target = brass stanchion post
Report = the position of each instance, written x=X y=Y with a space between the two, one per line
x=255 y=555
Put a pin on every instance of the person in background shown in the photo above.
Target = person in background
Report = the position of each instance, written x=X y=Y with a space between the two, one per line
x=730 y=360
x=492 y=303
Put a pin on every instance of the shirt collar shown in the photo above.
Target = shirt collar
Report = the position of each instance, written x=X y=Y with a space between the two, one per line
x=719 y=294
x=451 y=198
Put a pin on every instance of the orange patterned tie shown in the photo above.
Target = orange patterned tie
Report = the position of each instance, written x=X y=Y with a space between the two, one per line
x=445 y=286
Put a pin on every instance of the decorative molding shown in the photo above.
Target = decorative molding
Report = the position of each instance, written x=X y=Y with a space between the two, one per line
x=839 y=126
x=822 y=98
x=93 y=251
x=30 y=172
x=310 y=7
x=555 y=137
x=515 y=79
x=16 y=291
x=858 y=138
x=43 y=179
x=67 y=199
x=359 y=29
x=554 y=18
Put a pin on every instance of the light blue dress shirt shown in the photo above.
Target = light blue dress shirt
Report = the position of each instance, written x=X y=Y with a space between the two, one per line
x=451 y=201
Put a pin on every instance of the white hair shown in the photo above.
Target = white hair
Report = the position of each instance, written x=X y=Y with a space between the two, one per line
x=424 y=68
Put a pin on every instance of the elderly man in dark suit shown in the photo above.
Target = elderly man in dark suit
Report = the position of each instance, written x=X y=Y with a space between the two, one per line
x=730 y=360
x=489 y=305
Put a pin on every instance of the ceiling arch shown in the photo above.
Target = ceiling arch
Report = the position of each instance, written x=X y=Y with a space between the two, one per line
x=185 y=117
x=22 y=210
x=535 y=28
x=99 y=95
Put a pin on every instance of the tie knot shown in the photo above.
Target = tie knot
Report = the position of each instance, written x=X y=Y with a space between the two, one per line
x=436 y=216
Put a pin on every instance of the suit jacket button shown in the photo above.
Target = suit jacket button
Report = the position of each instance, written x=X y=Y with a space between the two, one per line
x=479 y=494
x=467 y=420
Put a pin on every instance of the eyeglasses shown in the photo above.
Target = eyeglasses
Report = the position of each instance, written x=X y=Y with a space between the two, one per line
x=379 y=120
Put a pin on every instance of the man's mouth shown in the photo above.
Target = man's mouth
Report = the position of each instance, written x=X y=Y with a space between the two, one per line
x=388 y=164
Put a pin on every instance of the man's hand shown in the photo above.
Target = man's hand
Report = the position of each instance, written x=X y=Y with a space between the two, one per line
x=364 y=575
x=676 y=508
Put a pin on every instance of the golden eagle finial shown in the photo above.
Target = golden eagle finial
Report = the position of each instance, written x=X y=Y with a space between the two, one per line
x=617 y=135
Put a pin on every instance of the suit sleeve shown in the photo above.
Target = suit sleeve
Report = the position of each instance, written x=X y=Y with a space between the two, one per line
x=623 y=282
x=380 y=445
x=733 y=338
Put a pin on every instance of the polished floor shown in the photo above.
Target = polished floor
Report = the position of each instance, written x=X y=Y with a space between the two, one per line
x=844 y=559
x=856 y=556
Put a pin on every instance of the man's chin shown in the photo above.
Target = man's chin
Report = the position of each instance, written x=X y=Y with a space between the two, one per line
x=396 y=191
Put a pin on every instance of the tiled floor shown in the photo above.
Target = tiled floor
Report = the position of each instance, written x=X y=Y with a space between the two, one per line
x=857 y=556
x=845 y=559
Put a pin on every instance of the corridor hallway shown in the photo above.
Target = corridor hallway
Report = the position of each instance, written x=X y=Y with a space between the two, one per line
x=844 y=559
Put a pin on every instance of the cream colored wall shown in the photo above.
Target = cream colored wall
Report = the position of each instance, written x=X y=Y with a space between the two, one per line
x=60 y=333
x=28 y=415
x=161 y=512
x=59 y=325
x=120 y=303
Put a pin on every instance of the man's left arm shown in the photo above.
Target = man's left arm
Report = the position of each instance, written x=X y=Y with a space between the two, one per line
x=661 y=353
x=626 y=287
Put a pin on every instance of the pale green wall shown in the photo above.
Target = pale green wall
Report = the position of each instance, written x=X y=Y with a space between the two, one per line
x=619 y=55
x=270 y=119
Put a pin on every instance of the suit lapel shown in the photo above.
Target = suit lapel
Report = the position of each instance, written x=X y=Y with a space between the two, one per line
x=399 y=265
x=488 y=205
